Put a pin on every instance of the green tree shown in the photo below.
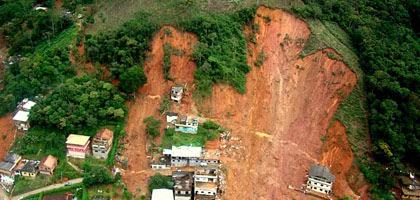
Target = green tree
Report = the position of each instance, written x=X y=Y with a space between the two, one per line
x=159 y=181
x=132 y=79
x=94 y=175
x=152 y=126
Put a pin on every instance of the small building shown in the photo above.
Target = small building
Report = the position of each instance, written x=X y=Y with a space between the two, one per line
x=66 y=196
x=78 y=145
x=176 y=93
x=320 y=179
x=410 y=187
x=30 y=169
x=163 y=163
x=171 y=117
x=48 y=164
x=183 y=184
x=186 y=156
x=186 y=124
x=21 y=117
x=162 y=194
x=21 y=120
x=9 y=163
x=102 y=143
x=25 y=105
x=205 y=182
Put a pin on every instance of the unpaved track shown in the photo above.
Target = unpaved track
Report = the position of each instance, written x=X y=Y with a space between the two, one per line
x=149 y=98
x=289 y=98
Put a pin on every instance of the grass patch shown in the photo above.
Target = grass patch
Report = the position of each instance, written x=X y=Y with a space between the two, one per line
x=72 y=188
x=64 y=39
x=207 y=131
x=112 y=13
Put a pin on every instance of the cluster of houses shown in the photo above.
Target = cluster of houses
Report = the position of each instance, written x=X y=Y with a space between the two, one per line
x=195 y=170
x=200 y=184
x=13 y=165
x=78 y=146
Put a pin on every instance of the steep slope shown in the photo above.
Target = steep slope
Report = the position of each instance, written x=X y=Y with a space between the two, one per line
x=182 y=71
x=289 y=99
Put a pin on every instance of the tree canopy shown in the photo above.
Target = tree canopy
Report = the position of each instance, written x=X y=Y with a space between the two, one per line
x=79 y=103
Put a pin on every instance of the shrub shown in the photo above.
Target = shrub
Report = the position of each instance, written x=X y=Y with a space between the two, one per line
x=152 y=126
x=159 y=181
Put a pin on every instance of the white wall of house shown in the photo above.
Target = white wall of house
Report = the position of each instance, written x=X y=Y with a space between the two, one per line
x=318 y=186
x=206 y=191
x=9 y=180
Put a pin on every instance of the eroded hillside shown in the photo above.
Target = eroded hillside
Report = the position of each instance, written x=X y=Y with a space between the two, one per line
x=279 y=121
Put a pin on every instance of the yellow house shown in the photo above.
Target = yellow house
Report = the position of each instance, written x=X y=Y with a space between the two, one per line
x=30 y=169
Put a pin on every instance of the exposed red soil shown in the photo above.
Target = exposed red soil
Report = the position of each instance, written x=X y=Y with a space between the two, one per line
x=337 y=154
x=280 y=119
x=149 y=98
x=7 y=134
x=285 y=111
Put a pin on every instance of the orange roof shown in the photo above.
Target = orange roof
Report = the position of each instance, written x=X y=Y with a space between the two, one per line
x=49 y=161
x=105 y=134
x=212 y=144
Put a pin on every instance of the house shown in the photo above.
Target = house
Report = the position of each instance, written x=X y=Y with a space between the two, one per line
x=102 y=143
x=183 y=183
x=211 y=155
x=67 y=196
x=9 y=163
x=162 y=194
x=171 y=117
x=48 y=164
x=185 y=156
x=176 y=93
x=78 y=145
x=25 y=105
x=21 y=120
x=205 y=182
x=163 y=163
x=410 y=187
x=320 y=179
x=186 y=124
x=21 y=117
x=30 y=169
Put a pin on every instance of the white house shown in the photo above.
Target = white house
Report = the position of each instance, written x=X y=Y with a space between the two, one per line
x=162 y=194
x=21 y=120
x=171 y=117
x=320 y=179
x=205 y=182
x=176 y=93
x=186 y=155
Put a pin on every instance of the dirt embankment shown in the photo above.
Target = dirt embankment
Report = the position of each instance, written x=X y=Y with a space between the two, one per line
x=337 y=154
x=149 y=98
x=279 y=120
x=289 y=100
x=7 y=134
